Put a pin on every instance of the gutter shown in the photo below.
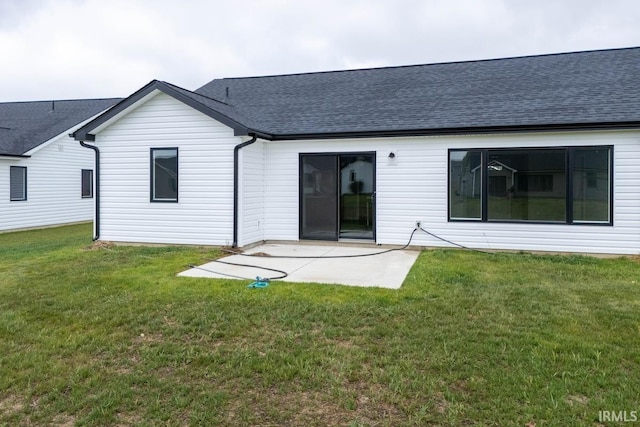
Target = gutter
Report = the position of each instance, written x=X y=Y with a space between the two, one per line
x=479 y=130
x=236 y=191
x=96 y=191
x=13 y=156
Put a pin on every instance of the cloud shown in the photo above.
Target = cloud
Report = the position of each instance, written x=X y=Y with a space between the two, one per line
x=90 y=48
x=12 y=13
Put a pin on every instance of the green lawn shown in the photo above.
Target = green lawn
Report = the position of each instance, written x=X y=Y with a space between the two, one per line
x=110 y=336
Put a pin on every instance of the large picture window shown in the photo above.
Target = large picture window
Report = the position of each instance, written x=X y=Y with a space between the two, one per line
x=164 y=174
x=557 y=185
x=17 y=183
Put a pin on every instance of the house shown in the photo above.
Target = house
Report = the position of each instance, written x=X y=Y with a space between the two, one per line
x=46 y=178
x=527 y=153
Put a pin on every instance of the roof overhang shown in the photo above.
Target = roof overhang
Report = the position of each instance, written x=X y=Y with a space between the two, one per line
x=153 y=88
x=88 y=131
x=13 y=156
x=561 y=127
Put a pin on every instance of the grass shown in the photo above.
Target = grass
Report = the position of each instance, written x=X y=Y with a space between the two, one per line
x=94 y=335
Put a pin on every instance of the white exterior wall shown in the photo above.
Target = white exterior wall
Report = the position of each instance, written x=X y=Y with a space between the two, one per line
x=414 y=187
x=54 y=183
x=252 y=187
x=204 y=213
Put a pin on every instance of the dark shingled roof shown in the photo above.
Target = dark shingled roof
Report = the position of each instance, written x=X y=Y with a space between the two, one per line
x=25 y=125
x=580 y=90
x=573 y=90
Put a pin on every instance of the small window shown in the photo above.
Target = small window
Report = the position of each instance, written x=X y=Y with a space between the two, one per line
x=18 y=183
x=164 y=174
x=87 y=183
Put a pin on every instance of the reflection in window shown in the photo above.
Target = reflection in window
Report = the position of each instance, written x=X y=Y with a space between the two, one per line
x=565 y=185
x=591 y=186
x=521 y=185
x=465 y=185
x=164 y=174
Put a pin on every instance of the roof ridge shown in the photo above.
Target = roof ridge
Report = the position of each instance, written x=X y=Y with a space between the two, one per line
x=430 y=64
x=197 y=93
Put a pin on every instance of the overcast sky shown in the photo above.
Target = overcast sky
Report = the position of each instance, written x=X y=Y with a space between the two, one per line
x=65 y=49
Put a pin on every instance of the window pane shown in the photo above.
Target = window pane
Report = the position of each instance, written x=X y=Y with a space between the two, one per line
x=591 y=184
x=87 y=183
x=165 y=174
x=17 y=183
x=465 y=187
x=527 y=185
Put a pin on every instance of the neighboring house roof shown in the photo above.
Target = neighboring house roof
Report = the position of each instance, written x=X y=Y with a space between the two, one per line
x=580 y=90
x=26 y=125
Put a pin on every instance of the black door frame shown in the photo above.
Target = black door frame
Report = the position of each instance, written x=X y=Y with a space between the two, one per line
x=337 y=155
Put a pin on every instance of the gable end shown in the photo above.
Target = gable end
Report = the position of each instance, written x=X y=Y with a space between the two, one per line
x=85 y=132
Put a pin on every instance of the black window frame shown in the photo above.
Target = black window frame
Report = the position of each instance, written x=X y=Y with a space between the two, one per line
x=152 y=197
x=24 y=184
x=82 y=183
x=569 y=172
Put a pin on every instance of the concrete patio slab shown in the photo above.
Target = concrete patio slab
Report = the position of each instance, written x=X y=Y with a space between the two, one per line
x=387 y=270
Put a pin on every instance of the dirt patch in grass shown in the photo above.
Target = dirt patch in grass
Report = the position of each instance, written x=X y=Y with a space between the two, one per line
x=10 y=405
x=149 y=338
x=99 y=245
x=64 y=420
x=128 y=419
x=314 y=409
x=577 y=399
x=441 y=403
x=373 y=404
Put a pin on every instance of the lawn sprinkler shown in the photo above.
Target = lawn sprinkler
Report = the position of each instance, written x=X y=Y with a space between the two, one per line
x=259 y=283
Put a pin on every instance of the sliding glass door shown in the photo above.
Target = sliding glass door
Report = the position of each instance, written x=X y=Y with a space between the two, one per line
x=357 y=196
x=319 y=198
x=337 y=196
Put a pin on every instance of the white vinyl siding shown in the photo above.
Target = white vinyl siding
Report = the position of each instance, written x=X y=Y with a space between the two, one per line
x=204 y=212
x=54 y=193
x=413 y=186
x=252 y=196
x=410 y=187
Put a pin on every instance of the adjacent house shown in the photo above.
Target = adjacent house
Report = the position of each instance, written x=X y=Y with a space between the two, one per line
x=526 y=153
x=46 y=178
